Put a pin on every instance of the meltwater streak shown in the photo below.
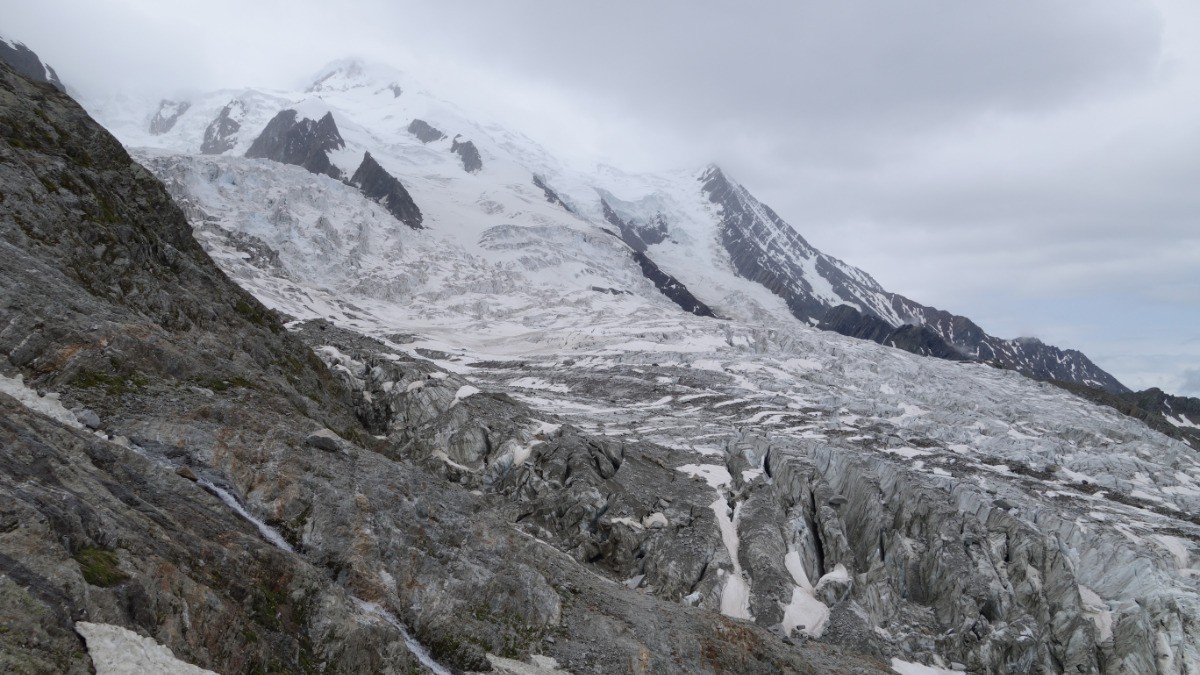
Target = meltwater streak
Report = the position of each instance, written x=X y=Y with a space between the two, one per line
x=270 y=534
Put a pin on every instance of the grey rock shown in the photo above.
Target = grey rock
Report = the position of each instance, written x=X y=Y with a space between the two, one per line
x=468 y=153
x=167 y=115
x=326 y=440
x=380 y=186
x=302 y=142
x=24 y=61
x=88 y=418
x=221 y=134
x=424 y=131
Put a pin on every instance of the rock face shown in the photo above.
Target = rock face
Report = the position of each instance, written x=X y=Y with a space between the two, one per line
x=469 y=155
x=303 y=142
x=670 y=286
x=767 y=250
x=424 y=132
x=551 y=195
x=221 y=134
x=23 y=60
x=1174 y=416
x=281 y=555
x=638 y=235
x=168 y=114
x=380 y=186
x=917 y=339
x=101 y=282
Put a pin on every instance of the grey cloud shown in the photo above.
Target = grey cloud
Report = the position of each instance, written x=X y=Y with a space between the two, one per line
x=1191 y=382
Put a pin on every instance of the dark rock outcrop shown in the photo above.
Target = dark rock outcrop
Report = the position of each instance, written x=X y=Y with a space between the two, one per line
x=914 y=338
x=551 y=195
x=380 y=186
x=468 y=153
x=424 y=131
x=670 y=286
x=221 y=134
x=23 y=60
x=167 y=115
x=302 y=142
x=666 y=284
x=639 y=235
x=1174 y=416
x=767 y=250
x=1025 y=355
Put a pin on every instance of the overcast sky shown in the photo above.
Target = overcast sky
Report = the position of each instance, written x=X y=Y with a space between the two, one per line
x=1032 y=164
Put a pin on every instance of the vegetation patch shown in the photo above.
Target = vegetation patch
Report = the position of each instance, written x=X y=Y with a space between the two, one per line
x=257 y=315
x=100 y=567
x=114 y=385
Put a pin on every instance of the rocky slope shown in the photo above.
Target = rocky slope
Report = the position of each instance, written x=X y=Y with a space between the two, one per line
x=178 y=464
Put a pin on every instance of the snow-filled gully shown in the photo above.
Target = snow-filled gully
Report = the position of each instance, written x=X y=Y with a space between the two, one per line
x=735 y=594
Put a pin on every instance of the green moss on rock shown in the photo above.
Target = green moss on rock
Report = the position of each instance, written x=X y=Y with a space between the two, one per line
x=99 y=567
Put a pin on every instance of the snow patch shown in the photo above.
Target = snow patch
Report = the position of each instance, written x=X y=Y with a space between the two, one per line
x=715 y=475
x=463 y=392
x=47 y=405
x=1097 y=610
x=804 y=611
x=910 y=668
x=120 y=651
x=735 y=594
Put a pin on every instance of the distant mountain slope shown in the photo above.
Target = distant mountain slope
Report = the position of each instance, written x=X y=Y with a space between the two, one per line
x=23 y=60
x=1174 y=416
x=718 y=248
x=767 y=250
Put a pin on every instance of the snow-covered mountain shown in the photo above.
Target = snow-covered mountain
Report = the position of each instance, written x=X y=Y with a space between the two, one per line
x=703 y=239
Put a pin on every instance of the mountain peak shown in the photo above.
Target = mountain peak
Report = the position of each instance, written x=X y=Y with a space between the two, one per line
x=23 y=60
x=355 y=73
x=711 y=171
